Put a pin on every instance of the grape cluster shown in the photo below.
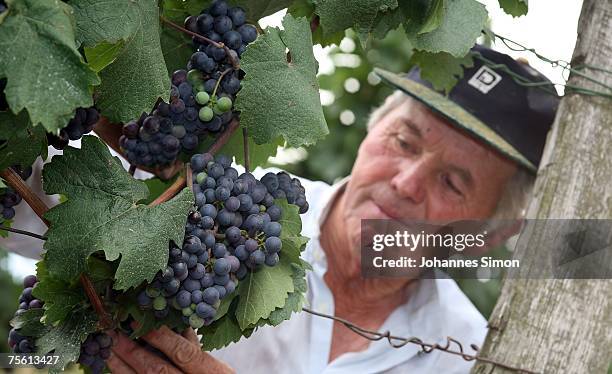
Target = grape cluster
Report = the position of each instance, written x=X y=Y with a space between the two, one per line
x=211 y=68
x=154 y=139
x=82 y=123
x=17 y=342
x=95 y=350
x=233 y=229
x=201 y=97
x=10 y=198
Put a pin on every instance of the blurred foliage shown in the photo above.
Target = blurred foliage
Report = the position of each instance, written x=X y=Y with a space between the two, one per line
x=9 y=294
x=333 y=157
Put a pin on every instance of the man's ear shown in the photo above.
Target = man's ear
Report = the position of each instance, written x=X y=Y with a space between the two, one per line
x=497 y=237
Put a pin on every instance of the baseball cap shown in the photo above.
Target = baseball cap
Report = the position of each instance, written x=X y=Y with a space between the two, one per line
x=513 y=114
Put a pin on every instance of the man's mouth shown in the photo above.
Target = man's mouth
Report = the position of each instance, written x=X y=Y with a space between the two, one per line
x=386 y=211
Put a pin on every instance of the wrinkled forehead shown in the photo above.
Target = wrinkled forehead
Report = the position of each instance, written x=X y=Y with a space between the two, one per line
x=429 y=127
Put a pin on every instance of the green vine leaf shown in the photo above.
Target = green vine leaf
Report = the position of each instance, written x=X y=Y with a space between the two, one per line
x=222 y=333
x=261 y=292
x=287 y=89
x=29 y=323
x=102 y=214
x=336 y=16
x=20 y=142
x=138 y=76
x=258 y=153
x=515 y=8
x=295 y=299
x=65 y=339
x=103 y=54
x=46 y=74
x=257 y=9
x=60 y=299
x=106 y=21
x=458 y=31
x=441 y=69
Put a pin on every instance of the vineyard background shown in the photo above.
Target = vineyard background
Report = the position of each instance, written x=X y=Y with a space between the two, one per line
x=349 y=92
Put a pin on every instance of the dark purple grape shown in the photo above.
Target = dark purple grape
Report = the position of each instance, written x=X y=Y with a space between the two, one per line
x=218 y=8
x=232 y=39
x=191 y=23
x=205 y=23
x=238 y=16
x=179 y=77
x=248 y=33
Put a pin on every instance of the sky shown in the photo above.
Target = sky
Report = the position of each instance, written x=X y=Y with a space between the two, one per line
x=549 y=28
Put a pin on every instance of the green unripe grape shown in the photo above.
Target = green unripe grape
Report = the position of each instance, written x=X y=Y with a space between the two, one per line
x=194 y=76
x=206 y=114
x=152 y=292
x=160 y=303
x=195 y=321
x=198 y=87
x=187 y=311
x=224 y=103
x=174 y=304
x=217 y=110
x=262 y=208
x=200 y=177
x=202 y=97
x=192 y=306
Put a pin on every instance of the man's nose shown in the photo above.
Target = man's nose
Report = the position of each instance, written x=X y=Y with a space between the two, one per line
x=410 y=180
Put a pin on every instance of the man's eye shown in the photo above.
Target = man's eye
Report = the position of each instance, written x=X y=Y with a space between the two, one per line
x=403 y=144
x=448 y=182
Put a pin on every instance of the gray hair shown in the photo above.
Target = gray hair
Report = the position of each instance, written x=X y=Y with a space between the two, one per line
x=517 y=191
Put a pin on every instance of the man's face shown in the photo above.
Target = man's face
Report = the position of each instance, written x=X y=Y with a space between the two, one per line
x=414 y=165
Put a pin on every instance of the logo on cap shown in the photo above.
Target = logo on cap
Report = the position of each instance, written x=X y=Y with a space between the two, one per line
x=484 y=79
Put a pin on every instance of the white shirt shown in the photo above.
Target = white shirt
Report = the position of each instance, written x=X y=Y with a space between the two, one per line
x=436 y=309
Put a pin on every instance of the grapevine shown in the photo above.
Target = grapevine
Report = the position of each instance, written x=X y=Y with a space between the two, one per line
x=167 y=85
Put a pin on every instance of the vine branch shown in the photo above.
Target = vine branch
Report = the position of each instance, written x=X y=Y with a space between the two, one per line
x=179 y=183
x=23 y=232
x=231 y=56
x=40 y=208
x=14 y=180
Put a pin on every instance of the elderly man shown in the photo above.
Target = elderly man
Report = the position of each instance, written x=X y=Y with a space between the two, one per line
x=469 y=155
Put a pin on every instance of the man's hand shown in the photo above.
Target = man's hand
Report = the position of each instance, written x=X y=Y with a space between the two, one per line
x=183 y=351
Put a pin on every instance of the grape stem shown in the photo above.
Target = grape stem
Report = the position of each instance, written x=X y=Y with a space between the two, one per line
x=14 y=180
x=179 y=183
x=23 y=232
x=40 y=208
x=233 y=60
x=219 y=81
x=245 y=143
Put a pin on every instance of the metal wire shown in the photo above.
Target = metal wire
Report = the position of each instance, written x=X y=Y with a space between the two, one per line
x=398 y=342
x=545 y=85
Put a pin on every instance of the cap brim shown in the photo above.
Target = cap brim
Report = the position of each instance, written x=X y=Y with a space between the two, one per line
x=454 y=114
